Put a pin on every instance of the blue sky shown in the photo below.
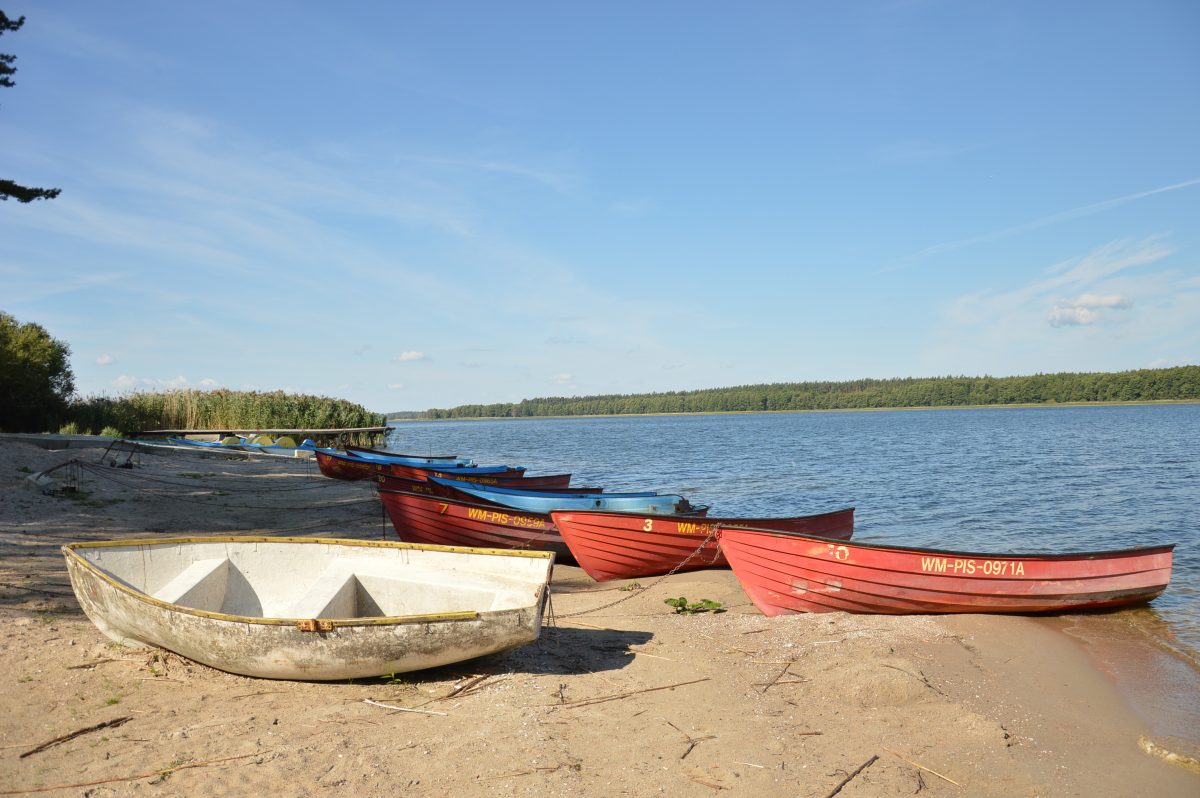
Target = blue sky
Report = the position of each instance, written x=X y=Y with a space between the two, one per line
x=416 y=205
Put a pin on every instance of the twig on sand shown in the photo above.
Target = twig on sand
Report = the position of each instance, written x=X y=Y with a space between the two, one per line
x=92 y=664
x=922 y=678
x=164 y=772
x=108 y=724
x=464 y=687
x=706 y=782
x=778 y=676
x=586 y=702
x=691 y=741
x=547 y=769
x=260 y=692
x=403 y=709
x=857 y=770
x=922 y=767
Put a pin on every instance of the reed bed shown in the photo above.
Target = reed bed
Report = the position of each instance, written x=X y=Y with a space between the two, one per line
x=218 y=410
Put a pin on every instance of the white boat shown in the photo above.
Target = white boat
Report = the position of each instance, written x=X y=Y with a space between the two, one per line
x=308 y=608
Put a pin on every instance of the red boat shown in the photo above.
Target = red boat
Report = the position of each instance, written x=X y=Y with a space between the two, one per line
x=485 y=475
x=426 y=457
x=341 y=467
x=547 y=482
x=790 y=573
x=626 y=546
x=419 y=518
x=391 y=482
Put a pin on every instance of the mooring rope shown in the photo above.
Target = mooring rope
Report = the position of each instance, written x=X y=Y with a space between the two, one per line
x=641 y=590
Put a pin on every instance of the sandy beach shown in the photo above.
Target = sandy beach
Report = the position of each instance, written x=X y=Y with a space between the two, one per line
x=620 y=696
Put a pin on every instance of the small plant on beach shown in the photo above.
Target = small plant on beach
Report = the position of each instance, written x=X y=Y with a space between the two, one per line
x=683 y=607
x=112 y=700
x=630 y=587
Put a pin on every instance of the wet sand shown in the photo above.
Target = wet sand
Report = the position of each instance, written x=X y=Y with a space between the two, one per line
x=620 y=698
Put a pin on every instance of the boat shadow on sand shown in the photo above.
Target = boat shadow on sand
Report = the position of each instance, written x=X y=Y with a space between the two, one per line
x=558 y=650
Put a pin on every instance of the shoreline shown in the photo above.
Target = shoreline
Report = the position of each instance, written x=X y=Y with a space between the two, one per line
x=1003 y=705
x=1020 y=406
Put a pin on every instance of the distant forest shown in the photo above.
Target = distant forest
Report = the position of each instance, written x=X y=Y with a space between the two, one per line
x=1180 y=384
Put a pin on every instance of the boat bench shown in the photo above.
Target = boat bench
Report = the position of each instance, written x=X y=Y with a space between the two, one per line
x=347 y=588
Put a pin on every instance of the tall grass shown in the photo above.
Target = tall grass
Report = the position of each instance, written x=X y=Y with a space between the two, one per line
x=219 y=410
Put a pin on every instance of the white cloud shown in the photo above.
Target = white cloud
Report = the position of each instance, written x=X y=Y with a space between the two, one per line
x=126 y=382
x=396 y=386
x=1086 y=309
x=1065 y=318
x=105 y=360
x=209 y=382
x=561 y=379
x=408 y=357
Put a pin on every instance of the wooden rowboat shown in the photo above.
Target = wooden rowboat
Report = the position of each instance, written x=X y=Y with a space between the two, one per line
x=343 y=466
x=401 y=459
x=627 y=546
x=790 y=573
x=428 y=458
x=439 y=520
x=305 y=608
x=546 y=501
x=447 y=489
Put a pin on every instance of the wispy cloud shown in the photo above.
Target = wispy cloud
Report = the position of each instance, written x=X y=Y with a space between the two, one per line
x=409 y=357
x=1086 y=309
x=1121 y=296
x=1045 y=221
x=561 y=379
x=396 y=386
x=105 y=360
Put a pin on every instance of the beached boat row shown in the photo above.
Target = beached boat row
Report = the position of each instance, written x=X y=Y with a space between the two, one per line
x=472 y=574
x=785 y=564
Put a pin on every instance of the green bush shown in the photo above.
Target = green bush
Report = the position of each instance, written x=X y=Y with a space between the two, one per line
x=35 y=377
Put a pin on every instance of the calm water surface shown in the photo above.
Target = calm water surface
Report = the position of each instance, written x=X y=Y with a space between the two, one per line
x=992 y=480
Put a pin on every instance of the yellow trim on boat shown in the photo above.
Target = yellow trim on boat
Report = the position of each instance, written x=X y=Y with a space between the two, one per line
x=71 y=550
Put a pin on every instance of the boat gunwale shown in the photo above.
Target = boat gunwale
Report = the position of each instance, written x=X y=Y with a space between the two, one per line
x=70 y=550
x=1073 y=555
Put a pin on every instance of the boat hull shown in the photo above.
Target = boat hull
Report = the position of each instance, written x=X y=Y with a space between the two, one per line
x=439 y=520
x=787 y=573
x=348 y=468
x=314 y=645
x=551 y=483
x=627 y=546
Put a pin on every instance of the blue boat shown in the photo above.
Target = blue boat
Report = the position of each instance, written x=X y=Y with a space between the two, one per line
x=542 y=502
x=442 y=463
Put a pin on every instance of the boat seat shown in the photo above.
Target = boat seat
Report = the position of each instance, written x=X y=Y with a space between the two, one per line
x=360 y=588
x=201 y=585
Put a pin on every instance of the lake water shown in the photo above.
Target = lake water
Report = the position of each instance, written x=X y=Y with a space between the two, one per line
x=1050 y=479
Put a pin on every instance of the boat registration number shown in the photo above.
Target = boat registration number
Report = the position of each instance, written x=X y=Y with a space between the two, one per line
x=491 y=517
x=954 y=565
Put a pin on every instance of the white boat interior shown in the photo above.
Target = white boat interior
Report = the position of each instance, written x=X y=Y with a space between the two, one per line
x=332 y=580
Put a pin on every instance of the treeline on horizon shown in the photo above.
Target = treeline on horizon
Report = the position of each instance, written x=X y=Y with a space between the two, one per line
x=1144 y=385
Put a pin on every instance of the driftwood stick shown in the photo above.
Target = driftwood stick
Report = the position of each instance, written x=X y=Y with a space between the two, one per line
x=51 y=743
x=922 y=767
x=714 y=785
x=857 y=770
x=92 y=664
x=601 y=700
x=464 y=687
x=163 y=772
x=402 y=709
x=778 y=676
